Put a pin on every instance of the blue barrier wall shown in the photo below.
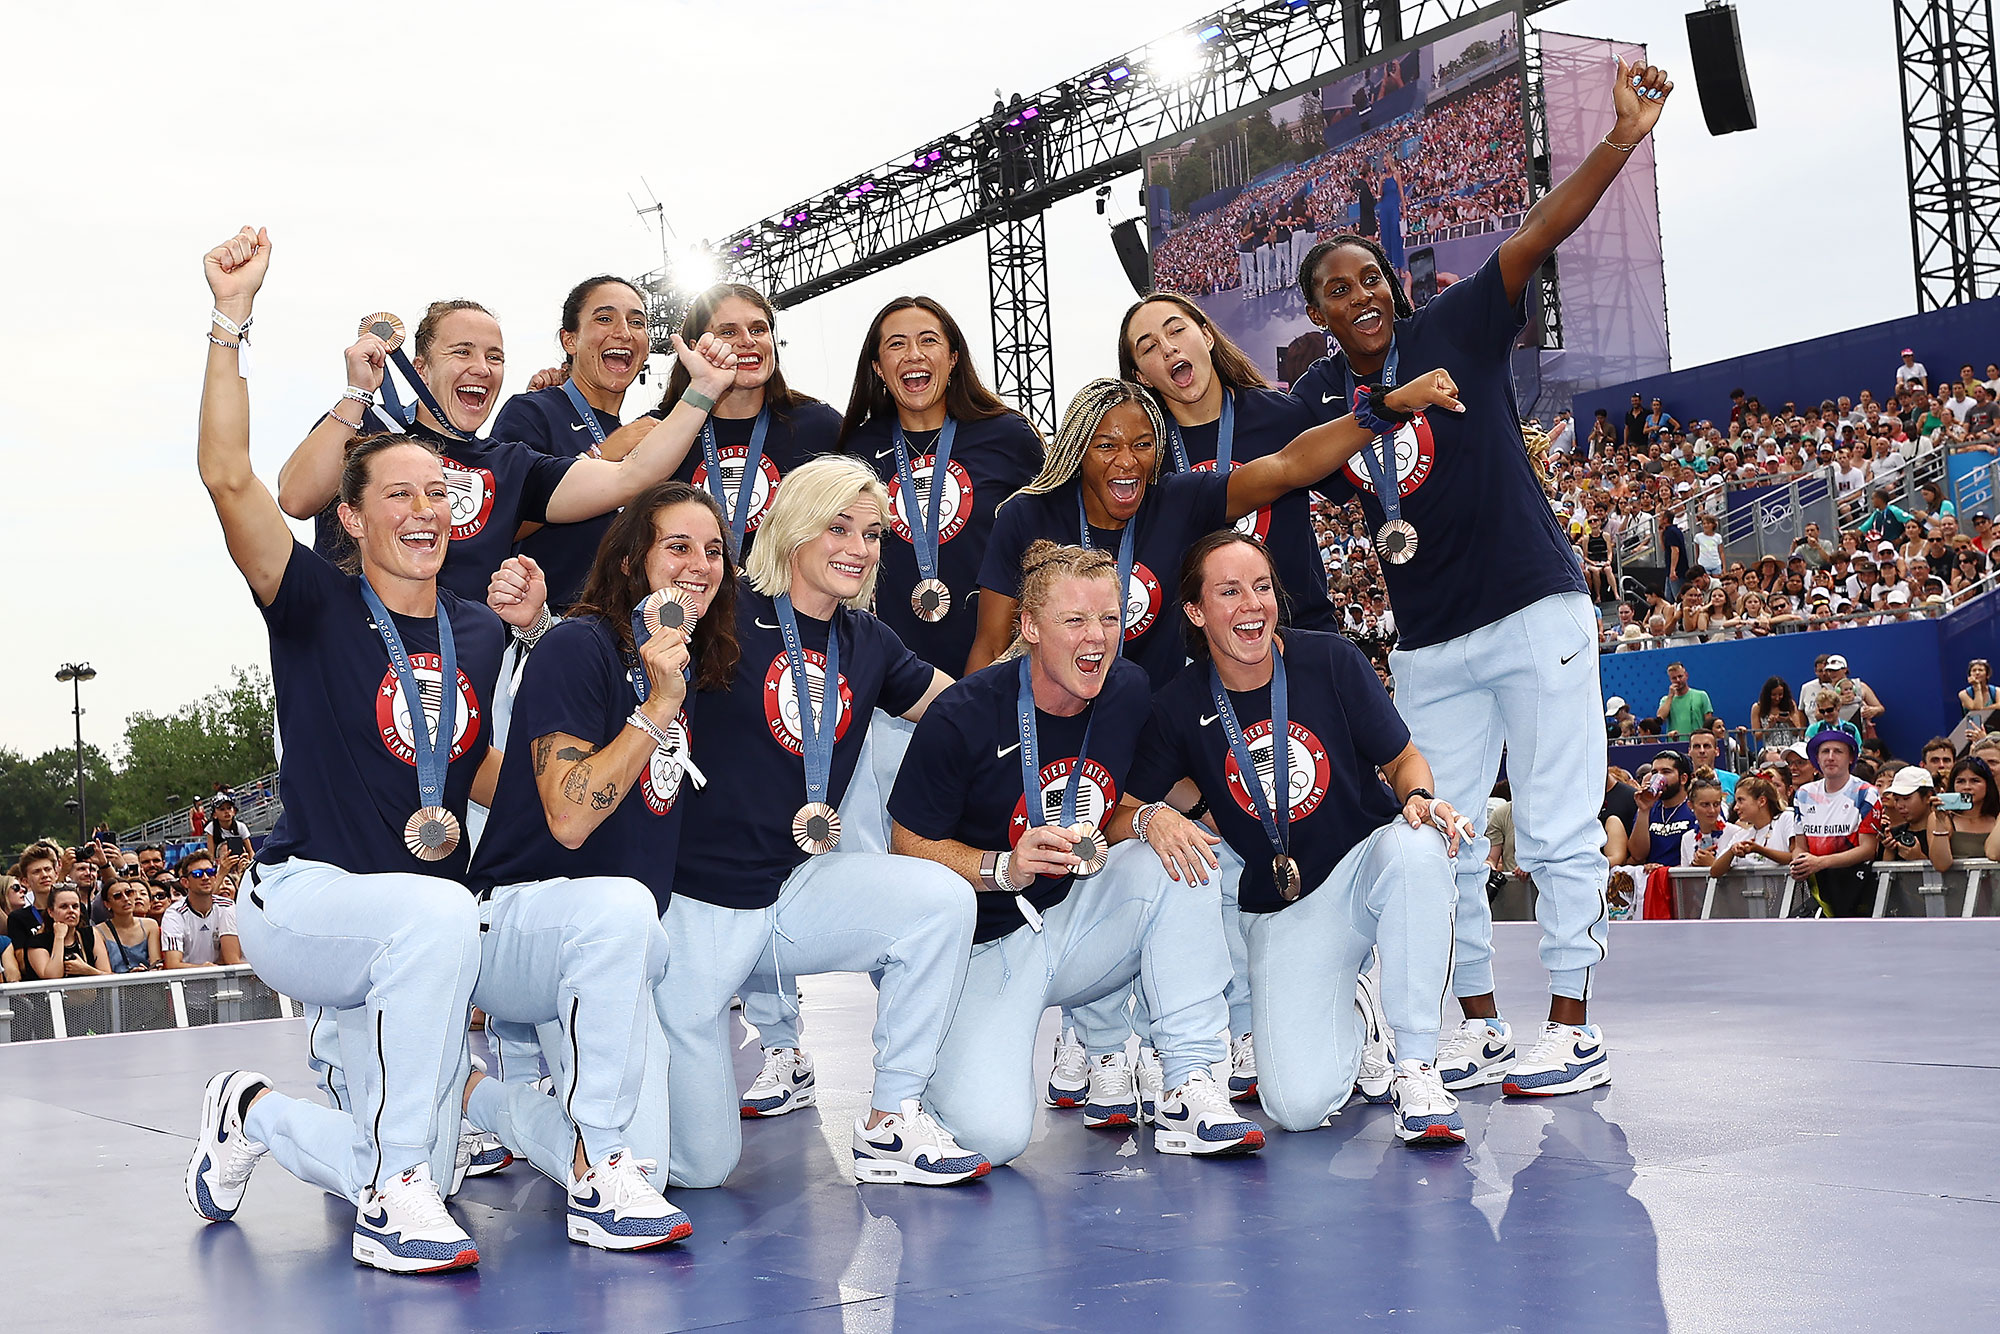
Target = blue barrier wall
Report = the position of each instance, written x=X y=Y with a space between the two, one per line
x=1916 y=669
x=1817 y=369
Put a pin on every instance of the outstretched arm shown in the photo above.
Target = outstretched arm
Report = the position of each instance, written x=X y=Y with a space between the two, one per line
x=597 y=486
x=259 y=540
x=1562 y=210
x=1326 y=447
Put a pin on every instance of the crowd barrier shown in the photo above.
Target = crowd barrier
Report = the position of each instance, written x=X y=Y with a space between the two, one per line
x=1970 y=888
x=145 y=1002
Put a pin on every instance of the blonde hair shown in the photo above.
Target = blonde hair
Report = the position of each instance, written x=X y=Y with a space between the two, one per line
x=1043 y=565
x=1080 y=422
x=812 y=496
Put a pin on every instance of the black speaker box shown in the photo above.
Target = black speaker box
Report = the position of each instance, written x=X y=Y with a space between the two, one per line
x=1717 y=47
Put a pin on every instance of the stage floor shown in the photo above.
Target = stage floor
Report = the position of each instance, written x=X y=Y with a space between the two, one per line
x=1800 y=1135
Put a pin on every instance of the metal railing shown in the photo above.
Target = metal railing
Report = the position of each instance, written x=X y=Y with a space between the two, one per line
x=1798 y=623
x=1966 y=890
x=257 y=807
x=144 y=1002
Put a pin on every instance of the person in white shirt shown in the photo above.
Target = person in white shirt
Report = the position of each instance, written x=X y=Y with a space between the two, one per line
x=1761 y=837
x=200 y=929
x=1912 y=371
x=1562 y=435
x=1849 y=476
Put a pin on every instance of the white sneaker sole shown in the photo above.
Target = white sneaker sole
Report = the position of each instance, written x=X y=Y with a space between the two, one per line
x=1187 y=1143
x=1595 y=1077
x=378 y=1256
x=889 y=1172
x=1490 y=1073
x=586 y=1233
x=805 y=1097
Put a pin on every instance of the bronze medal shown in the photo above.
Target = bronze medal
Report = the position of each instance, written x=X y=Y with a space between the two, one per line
x=1397 y=541
x=1285 y=872
x=930 y=600
x=431 y=834
x=667 y=609
x=816 y=828
x=384 y=326
x=1091 y=851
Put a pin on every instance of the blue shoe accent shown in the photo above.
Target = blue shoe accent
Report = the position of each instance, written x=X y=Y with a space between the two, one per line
x=1102 y=1112
x=411 y=1250
x=494 y=1157
x=951 y=1166
x=1228 y=1130
x=205 y=1204
x=1571 y=1070
x=585 y=1206
x=634 y=1227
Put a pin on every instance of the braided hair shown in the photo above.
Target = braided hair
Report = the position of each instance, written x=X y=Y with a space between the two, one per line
x=1085 y=414
x=1310 y=265
x=1042 y=565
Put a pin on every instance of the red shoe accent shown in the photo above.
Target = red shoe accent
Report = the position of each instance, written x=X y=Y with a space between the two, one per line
x=982 y=1169
x=1115 y=1119
x=1245 y=1096
x=1070 y=1103
x=749 y=1113
x=1512 y=1090
x=463 y=1260
x=1254 y=1140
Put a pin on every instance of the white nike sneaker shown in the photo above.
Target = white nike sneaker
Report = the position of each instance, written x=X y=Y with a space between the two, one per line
x=910 y=1148
x=1378 y=1044
x=1426 y=1116
x=1152 y=1081
x=1567 y=1058
x=482 y=1152
x=1197 y=1119
x=1242 y=1069
x=1069 y=1080
x=785 y=1084
x=1114 y=1094
x=218 y=1170
x=1478 y=1051
x=405 y=1229
x=615 y=1208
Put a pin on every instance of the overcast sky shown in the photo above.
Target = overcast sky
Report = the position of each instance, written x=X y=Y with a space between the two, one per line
x=401 y=153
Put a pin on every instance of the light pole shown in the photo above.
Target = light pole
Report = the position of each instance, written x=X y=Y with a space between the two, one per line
x=76 y=673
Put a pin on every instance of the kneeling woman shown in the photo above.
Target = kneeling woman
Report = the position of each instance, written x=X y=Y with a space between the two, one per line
x=1008 y=782
x=1340 y=866
x=585 y=823
x=754 y=892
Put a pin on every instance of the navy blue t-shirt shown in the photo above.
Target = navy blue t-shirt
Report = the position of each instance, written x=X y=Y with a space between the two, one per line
x=495 y=486
x=990 y=460
x=811 y=428
x=348 y=779
x=1664 y=832
x=578 y=682
x=961 y=777
x=547 y=422
x=1487 y=542
x=1176 y=511
x=1343 y=728
x=743 y=850
x=1267 y=421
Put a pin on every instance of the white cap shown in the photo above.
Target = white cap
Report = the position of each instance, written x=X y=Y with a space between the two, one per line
x=1615 y=703
x=1911 y=778
x=1898 y=597
x=1836 y=662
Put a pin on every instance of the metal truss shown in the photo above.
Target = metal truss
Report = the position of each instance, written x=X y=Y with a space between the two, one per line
x=1950 y=147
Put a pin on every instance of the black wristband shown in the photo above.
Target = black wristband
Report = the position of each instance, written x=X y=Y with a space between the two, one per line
x=1425 y=793
x=1196 y=811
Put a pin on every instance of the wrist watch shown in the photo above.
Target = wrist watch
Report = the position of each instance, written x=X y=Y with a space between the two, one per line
x=1423 y=792
x=993 y=868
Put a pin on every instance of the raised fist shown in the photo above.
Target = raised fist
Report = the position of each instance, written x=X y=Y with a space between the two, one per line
x=236 y=268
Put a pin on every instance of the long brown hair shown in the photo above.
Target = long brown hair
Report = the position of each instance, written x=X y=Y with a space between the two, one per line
x=1232 y=364
x=966 y=396
x=617 y=583
x=1193 y=571
x=780 y=397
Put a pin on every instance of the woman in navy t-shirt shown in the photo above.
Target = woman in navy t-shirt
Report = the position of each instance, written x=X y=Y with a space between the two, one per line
x=755 y=890
x=1360 y=867
x=1008 y=783
x=1497 y=644
x=577 y=864
x=605 y=342
x=382 y=678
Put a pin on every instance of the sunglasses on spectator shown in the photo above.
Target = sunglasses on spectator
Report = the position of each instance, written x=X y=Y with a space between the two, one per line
x=163 y=895
x=201 y=874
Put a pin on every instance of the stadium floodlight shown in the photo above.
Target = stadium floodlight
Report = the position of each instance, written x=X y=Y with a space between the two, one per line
x=695 y=269
x=1176 y=58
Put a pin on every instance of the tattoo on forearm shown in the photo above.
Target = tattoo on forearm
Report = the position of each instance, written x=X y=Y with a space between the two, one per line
x=577 y=783
x=604 y=798
x=544 y=747
x=572 y=753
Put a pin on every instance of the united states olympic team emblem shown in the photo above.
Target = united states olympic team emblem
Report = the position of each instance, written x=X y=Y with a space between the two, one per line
x=1309 y=775
x=1256 y=524
x=1096 y=794
x=661 y=782
x=1142 y=600
x=392 y=714
x=1416 y=455
x=470 y=492
x=763 y=487
x=781 y=700
x=954 y=506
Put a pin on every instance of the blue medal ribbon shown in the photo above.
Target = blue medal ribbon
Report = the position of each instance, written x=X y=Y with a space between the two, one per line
x=408 y=415
x=738 y=513
x=433 y=748
x=585 y=415
x=1124 y=551
x=1382 y=466
x=1031 y=765
x=1225 y=438
x=922 y=518
x=1277 y=821
x=816 y=735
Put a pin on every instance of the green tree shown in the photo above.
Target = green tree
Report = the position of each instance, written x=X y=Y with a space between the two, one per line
x=32 y=793
x=1193 y=178
x=223 y=737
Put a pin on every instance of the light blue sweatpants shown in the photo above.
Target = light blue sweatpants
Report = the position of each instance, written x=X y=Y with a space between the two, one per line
x=392 y=959
x=1527 y=682
x=864 y=827
x=1393 y=891
x=1102 y=1026
x=907 y=919
x=577 y=960
x=1129 y=924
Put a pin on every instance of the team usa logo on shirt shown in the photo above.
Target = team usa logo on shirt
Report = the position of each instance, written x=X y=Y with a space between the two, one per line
x=1416 y=455
x=661 y=782
x=1308 y=778
x=470 y=492
x=392 y=714
x=954 y=507
x=763 y=487
x=1257 y=524
x=1142 y=601
x=1096 y=794
x=781 y=700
